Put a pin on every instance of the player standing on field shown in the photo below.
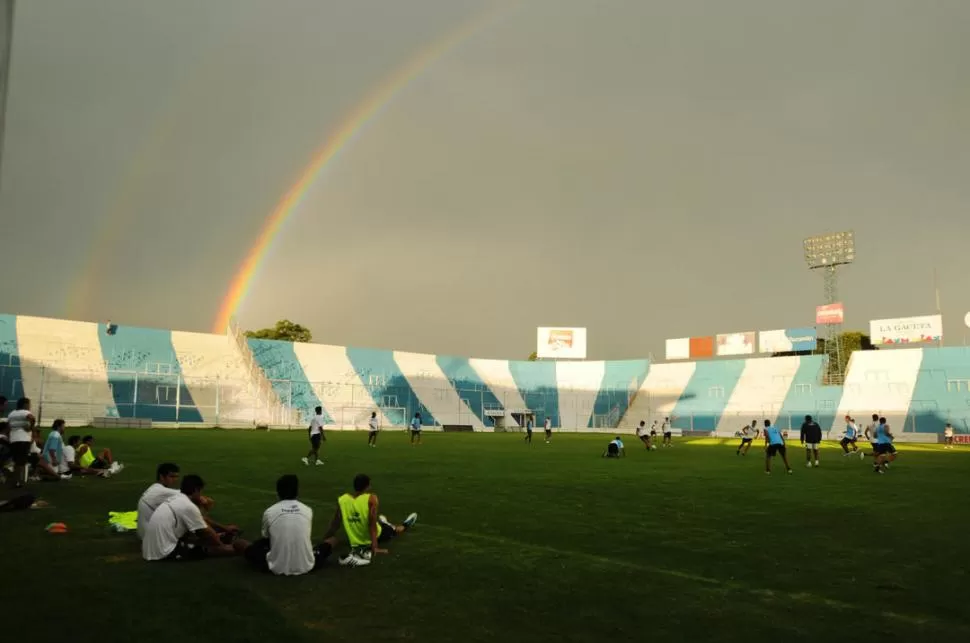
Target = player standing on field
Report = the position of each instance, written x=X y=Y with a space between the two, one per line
x=316 y=436
x=528 y=431
x=948 y=436
x=416 y=428
x=374 y=427
x=774 y=444
x=811 y=437
x=548 y=427
x=667 y=433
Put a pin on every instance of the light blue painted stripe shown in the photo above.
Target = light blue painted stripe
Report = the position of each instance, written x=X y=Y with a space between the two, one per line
x=386 y=383
x=807 y=396
x=706 y=395
x=537 y=385
x=941 y=393
x=286 y=375
x=143 y=372
x=621 y=381
x=470 y=386
x=11 y=384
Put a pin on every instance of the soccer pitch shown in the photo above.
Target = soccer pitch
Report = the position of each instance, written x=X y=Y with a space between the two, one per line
x=516 y=543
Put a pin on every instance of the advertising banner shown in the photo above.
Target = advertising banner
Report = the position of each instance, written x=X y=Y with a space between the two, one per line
x=789 y=340
x=678 y=348
x=701 y=347
x=561 y=343
x=906 y=330
x=829 y=314
x=736 y=344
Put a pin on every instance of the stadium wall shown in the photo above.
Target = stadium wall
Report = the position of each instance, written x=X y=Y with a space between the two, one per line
x=77 y=370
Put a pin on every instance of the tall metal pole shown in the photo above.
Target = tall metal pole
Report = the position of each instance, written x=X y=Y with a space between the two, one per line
x=833 y=332
x=6 y=43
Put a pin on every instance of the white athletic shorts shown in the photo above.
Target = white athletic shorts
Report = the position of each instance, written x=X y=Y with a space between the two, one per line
x=813 y=447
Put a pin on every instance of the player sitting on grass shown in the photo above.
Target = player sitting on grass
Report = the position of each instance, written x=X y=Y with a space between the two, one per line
x=774 y=444
x=166 y=487
x=615 y=448
x=177 y=530
x=285 y=548
x=87 y=459
x=366 y=529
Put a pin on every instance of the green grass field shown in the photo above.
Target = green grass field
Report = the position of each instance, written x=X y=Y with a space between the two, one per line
x=548 y=543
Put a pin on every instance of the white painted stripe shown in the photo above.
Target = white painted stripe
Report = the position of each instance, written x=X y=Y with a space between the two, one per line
x=658 y=395
x=338 y=386
x=217 y=378
x=495 y=373
x=881 y=382
x=73 y=372
x=760 y=392
x=578 y=384
x=432 y=387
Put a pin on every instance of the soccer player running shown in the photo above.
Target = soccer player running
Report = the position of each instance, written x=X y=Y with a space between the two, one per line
x=366 y=529
x=885 y=451
x=948 y=436
x=811 y=437
x=644 y=435
x=374 y=427
x=748 y=434
x=286 y=548
x=870 y=433
x=547 y=425
x=316 y=437
x=416 y=428
x=774 y=445
x=667 y=433
x=528 y=431
x=850 y=438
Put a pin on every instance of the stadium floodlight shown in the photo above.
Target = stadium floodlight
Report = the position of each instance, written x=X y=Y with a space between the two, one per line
x=828 y=250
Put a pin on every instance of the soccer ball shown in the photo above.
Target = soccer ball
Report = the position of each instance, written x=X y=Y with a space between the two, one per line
x=653 y=447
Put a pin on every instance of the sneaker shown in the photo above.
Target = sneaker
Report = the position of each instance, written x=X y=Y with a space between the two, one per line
x=305 y=461
x=767 y=473
x=350 y=560
x=862 y=456
x=808 y=464
x=790 y=472
x=65 y=476
x=816 y=463
x=319 y=463
x=410 y=520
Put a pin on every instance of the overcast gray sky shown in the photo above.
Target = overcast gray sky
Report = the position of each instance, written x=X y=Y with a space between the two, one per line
x=646 y=169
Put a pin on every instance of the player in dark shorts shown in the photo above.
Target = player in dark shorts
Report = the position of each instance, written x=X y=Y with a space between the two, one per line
x=528 y=430
x=748 y=434
x=774 y=445
x=667 y=433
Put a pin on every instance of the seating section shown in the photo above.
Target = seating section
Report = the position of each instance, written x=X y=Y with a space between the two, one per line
x=77 y=370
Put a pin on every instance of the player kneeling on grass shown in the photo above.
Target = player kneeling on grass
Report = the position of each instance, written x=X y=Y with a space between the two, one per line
x=285 y=548
x=774 y=445
x=177 y=530
x=365 y=527
x=615 y=448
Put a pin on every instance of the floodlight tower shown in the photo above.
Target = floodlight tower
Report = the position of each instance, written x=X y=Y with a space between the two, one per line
x=826 y=253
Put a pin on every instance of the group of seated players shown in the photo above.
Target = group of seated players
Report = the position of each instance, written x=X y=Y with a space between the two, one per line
x=28 y=457
x=174 y=525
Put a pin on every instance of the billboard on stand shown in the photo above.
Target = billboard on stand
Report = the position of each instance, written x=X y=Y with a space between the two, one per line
x=736 y=344
x=789 y=340
x=678 y=348
x=829 y=314
x=561 y=343
x=906 y=330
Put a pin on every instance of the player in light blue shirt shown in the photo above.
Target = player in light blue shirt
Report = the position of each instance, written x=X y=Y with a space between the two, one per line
x=54 y=445
x=615 y=448
x=850 y=438
x=885 y=452
x=416 y=428
x=774 y=444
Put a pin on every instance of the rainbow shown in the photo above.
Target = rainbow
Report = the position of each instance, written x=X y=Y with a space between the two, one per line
x=338 y=139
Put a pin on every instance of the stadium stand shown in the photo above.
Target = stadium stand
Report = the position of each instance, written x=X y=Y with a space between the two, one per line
x=78 y=371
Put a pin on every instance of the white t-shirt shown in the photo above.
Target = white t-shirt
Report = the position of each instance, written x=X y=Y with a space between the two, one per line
x=316 y=425
x=948 y=432
x=170 y=523
x=641 y=429
x=872 y=431
x=372 y=423
x=287 y=524
x=154 y=496
x=19 y=422
x=547 y=424
x=68 y=460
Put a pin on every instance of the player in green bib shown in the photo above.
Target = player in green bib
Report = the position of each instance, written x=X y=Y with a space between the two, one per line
x=366 y=529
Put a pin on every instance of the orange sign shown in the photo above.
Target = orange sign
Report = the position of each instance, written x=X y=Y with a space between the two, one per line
x=701 y=347
x=829 y=314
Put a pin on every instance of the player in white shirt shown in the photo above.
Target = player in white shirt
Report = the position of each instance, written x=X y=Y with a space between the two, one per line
x=162 y=490
x=667 y=433
x=748 y=434
x=316 y=436
x=23 y=433
x=870 y=433
x=948 y=436
x=374 y=427
x=177 y=530
x=285 y=548
x=644 y=435
x=547 y=425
